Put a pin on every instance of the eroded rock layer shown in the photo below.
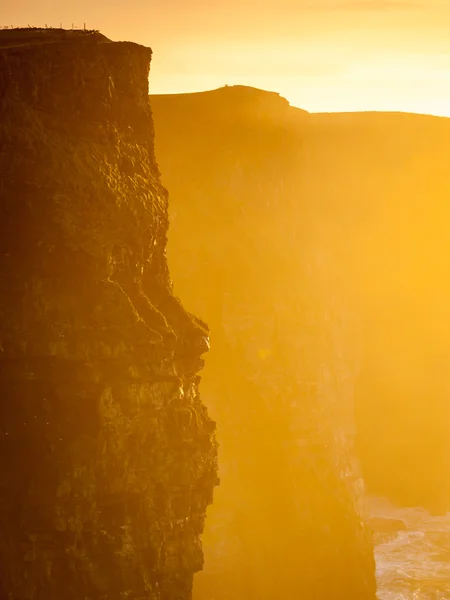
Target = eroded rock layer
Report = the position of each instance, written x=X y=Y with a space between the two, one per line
x=107 y=454
x=288 y=519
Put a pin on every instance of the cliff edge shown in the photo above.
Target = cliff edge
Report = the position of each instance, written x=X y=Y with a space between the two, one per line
x=107 y=454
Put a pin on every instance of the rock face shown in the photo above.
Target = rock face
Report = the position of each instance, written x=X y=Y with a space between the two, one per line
x=370 y=190
x=386 y=190
x=107 y=454
x=288 y=519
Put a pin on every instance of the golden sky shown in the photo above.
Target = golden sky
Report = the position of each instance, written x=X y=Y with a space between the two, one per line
x=322 y=55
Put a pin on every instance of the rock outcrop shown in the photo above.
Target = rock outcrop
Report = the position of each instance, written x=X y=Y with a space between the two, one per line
x=371 y=190
x=288 y=519
x=386 y=529
x=107 y=454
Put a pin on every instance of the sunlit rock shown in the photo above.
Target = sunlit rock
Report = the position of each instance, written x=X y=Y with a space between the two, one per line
x=288 y=519
x=369 y=189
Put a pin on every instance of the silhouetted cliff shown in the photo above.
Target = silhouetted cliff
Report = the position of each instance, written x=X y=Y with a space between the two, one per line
x=288 y=519
x=376 y=187
x=107 y=454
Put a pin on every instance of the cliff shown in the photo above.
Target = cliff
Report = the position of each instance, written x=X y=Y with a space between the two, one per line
x=371 y=191
x=107 y=453
x=288 y=519
x=386 y=189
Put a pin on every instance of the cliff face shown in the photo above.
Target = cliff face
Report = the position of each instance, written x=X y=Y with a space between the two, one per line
x=369 y=190
x=288 y=519
x=107 y=454
x=384 y=192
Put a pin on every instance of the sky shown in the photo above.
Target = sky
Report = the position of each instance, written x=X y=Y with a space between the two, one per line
x=322 y=55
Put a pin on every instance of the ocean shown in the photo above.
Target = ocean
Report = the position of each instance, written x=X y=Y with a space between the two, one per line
x=413 y=564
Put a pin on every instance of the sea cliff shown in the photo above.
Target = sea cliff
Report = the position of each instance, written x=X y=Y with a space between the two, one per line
x=107 y=453
x=288 y=520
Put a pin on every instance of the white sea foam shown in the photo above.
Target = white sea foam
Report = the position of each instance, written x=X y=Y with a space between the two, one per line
x=415 y=564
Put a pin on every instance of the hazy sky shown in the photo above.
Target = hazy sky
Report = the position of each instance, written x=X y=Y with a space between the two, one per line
x=322 y=55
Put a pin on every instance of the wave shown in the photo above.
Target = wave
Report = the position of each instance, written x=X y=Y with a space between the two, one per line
x=413 y=564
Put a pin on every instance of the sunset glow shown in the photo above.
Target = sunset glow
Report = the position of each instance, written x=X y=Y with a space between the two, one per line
x=322 y=55
x=224 y=300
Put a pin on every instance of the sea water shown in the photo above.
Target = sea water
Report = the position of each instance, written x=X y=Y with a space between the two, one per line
x=413 y=564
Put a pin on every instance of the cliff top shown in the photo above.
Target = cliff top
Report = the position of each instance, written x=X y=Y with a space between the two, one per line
x=228 y=91
x=357 y=117
x=240 y=95
x=36 y=36
x=230 y=101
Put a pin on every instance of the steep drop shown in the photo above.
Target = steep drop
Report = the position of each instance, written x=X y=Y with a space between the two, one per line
x=107 y=454
x=372 y=190
x=288 y=519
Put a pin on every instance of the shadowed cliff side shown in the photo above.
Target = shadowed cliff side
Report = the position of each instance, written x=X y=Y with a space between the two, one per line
x=288 y=519
x=107 y=454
